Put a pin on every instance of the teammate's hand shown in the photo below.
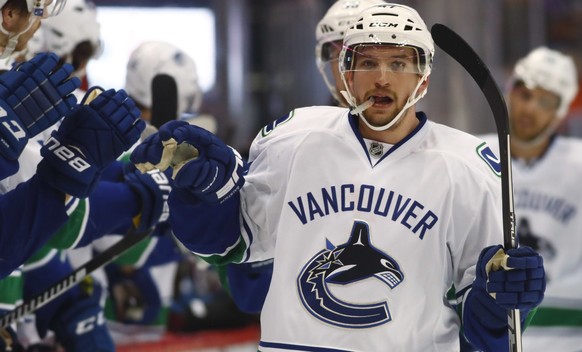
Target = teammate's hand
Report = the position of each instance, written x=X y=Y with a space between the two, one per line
x=153 y=188
x=203 y=166
x=516 y=279
x=33 y=96
x=90 y=137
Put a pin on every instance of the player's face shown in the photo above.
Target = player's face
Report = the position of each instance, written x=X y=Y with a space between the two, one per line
x=386 y=74
x=19 y=22
x=331 y=70
x=531 y=111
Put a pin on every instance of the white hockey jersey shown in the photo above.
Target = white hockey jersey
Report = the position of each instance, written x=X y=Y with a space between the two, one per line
x=364 y=255
x=548 y=209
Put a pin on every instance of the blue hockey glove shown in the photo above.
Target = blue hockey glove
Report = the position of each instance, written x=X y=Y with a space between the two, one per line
x=515 y=280
x=33 y=96
x=90 y=137
x=80 y=325
x=153 y=188
x=204 y=168
x=504 y=281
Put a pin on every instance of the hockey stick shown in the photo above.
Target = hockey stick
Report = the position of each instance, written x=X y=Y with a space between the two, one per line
x=451 y=43
x=63 y=285
x=164 y=100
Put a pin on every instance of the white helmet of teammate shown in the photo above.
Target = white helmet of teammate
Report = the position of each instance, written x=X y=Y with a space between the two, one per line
x=39 y=10
x=77 y=23
x=152 y=58
x=549 y=70
x=387 y=24
x=330 y=32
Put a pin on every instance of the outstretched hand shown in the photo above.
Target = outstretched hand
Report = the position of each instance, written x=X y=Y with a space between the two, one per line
x=90 y=137
x=203 y=166
x=33 y=96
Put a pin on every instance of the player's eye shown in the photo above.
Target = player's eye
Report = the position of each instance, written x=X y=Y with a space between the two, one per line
x=398 y=66
x=367 y=64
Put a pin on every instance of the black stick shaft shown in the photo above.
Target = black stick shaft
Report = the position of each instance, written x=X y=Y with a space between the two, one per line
x=451 y=43
x=63 y=285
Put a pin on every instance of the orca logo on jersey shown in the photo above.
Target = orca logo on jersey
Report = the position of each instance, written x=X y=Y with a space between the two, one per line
x=490 y=158
x=348 y=263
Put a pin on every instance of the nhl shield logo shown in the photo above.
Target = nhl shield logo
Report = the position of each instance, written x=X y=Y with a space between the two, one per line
x=346 y=264
x=376 y=149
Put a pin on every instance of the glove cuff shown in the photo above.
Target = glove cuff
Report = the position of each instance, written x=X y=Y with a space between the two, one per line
x=232 y=186
x=153 y=190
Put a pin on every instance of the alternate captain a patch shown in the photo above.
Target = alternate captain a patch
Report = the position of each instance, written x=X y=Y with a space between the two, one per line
x=349 y=263
x=490 y=158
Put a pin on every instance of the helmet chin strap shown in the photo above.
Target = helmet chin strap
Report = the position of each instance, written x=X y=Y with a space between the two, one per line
x=9 y=48
x=359 y=109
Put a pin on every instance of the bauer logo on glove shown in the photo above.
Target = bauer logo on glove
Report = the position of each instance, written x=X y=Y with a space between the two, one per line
x=72 y=156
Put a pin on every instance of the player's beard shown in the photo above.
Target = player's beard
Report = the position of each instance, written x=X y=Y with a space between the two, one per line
x=378 y=115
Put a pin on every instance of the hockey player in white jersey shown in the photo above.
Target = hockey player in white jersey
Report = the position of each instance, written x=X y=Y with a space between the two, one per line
x=249 y=283
x=370 y=214
x=546 y=169
x=329 y=35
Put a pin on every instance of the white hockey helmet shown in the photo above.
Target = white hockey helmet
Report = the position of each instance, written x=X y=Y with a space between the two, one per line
x=154 y=57
x=549 y=70
x=77 y=23
x=39 y=10
x=330 y=31
x=388 y=24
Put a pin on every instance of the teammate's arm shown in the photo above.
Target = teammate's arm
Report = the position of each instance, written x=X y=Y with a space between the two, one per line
x=89 y=138
x=137 y=200
x=29 y=215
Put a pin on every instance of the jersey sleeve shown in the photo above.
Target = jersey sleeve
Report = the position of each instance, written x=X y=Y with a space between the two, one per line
x=109 y=209
x=265 y=185
x=209 y=231
x=30 y=214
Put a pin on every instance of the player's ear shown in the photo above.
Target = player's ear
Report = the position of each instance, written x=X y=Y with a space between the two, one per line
x=424 y=85
x=349 y=77
x=9 y=18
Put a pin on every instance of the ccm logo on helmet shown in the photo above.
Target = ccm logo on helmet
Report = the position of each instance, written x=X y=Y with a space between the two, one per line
x=68 y=155
x=383 y=24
